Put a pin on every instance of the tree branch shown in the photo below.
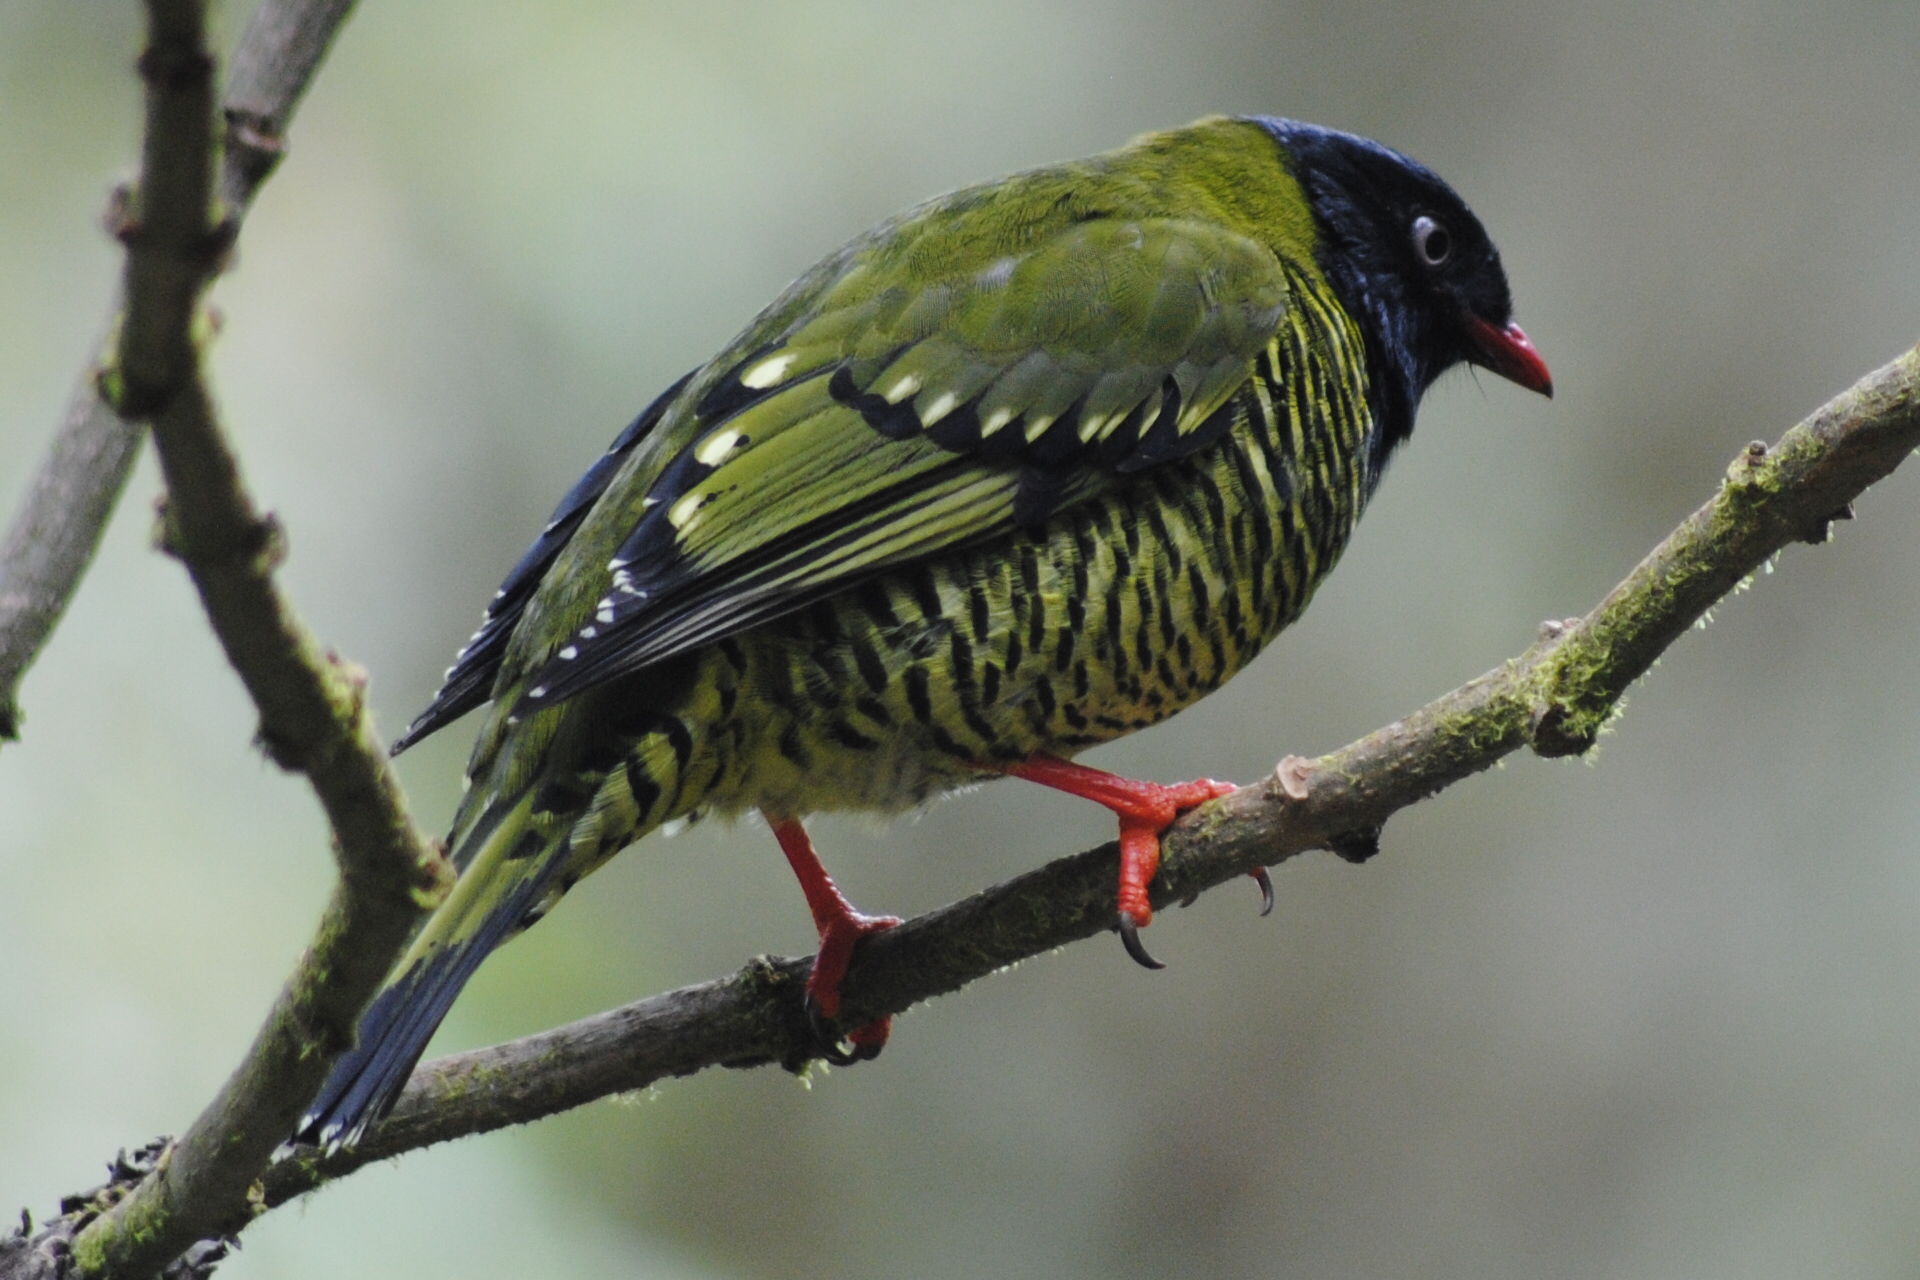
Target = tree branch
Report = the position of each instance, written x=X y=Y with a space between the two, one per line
x=1556 y=698
x=66 y=508
x=312 y=714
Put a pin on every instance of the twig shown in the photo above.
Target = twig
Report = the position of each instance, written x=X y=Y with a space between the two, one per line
x=284 y=43
x=66 y=508
x=312 y=715
x=1556 y=698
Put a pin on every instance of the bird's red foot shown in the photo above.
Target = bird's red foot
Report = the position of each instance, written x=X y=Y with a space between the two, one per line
x=1145 y=810
x=840 y=927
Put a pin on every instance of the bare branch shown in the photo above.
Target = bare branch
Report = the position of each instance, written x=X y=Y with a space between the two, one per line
x=56 y=532
x=1556 y=698
x=312 y=714
x=284 y=43
x=66 y=508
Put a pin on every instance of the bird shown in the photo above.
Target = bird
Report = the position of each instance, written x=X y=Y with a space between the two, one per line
x=1021 y=470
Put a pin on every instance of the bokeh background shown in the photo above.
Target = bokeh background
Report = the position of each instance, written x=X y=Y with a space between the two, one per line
x=1654 y=1014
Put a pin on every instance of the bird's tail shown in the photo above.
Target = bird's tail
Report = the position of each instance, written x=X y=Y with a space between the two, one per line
x=515 y=860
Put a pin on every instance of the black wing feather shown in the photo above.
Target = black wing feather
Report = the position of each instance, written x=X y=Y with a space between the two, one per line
x=636 y=628
x=469 y=682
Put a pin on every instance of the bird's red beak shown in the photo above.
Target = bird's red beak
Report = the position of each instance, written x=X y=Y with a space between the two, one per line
x=1508 y=353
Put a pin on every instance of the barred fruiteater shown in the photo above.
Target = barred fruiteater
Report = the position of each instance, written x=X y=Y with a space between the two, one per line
x=1024 y=469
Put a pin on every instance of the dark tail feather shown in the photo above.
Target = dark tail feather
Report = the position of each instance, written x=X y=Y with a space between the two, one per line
x=395 y=1029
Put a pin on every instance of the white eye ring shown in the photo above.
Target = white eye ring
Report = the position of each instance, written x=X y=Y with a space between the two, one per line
x=1431 y=241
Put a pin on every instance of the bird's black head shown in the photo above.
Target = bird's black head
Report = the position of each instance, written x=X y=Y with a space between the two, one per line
x=1412 y=265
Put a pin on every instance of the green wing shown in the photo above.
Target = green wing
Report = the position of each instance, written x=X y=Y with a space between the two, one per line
x=955 y=375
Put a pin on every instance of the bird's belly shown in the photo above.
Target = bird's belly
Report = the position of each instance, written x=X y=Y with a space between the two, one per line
x=1114 y=617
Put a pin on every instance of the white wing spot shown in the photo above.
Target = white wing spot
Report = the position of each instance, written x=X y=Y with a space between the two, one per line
x=569 y=653
x=604 y=617
x=996 y=420
x=588 y=633
x=1147 y=420
x=717 y=447
x=907 y=385
x=767 y=372
x=940 y=408
x=683 y=511
x=538 y=691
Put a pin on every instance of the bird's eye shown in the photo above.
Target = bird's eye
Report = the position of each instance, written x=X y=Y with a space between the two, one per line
x=1431 y=241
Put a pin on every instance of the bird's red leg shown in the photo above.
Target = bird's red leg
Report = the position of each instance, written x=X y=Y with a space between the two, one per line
x=1145 y=810
x=840 y=927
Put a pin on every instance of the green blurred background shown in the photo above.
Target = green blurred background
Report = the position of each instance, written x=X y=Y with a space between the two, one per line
x=1657 y=1014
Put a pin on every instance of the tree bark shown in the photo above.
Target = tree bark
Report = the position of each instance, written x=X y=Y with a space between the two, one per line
x=66 y=507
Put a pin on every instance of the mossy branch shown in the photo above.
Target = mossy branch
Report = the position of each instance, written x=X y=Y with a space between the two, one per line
x=311 y=704
x=66 y=508
x=1555 y=697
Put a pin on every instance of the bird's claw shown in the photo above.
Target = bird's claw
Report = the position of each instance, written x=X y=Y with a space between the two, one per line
x=826 y=1035
x=1265 y=881
x=838 y=937
x=862 y=1044
x=1130 y=938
